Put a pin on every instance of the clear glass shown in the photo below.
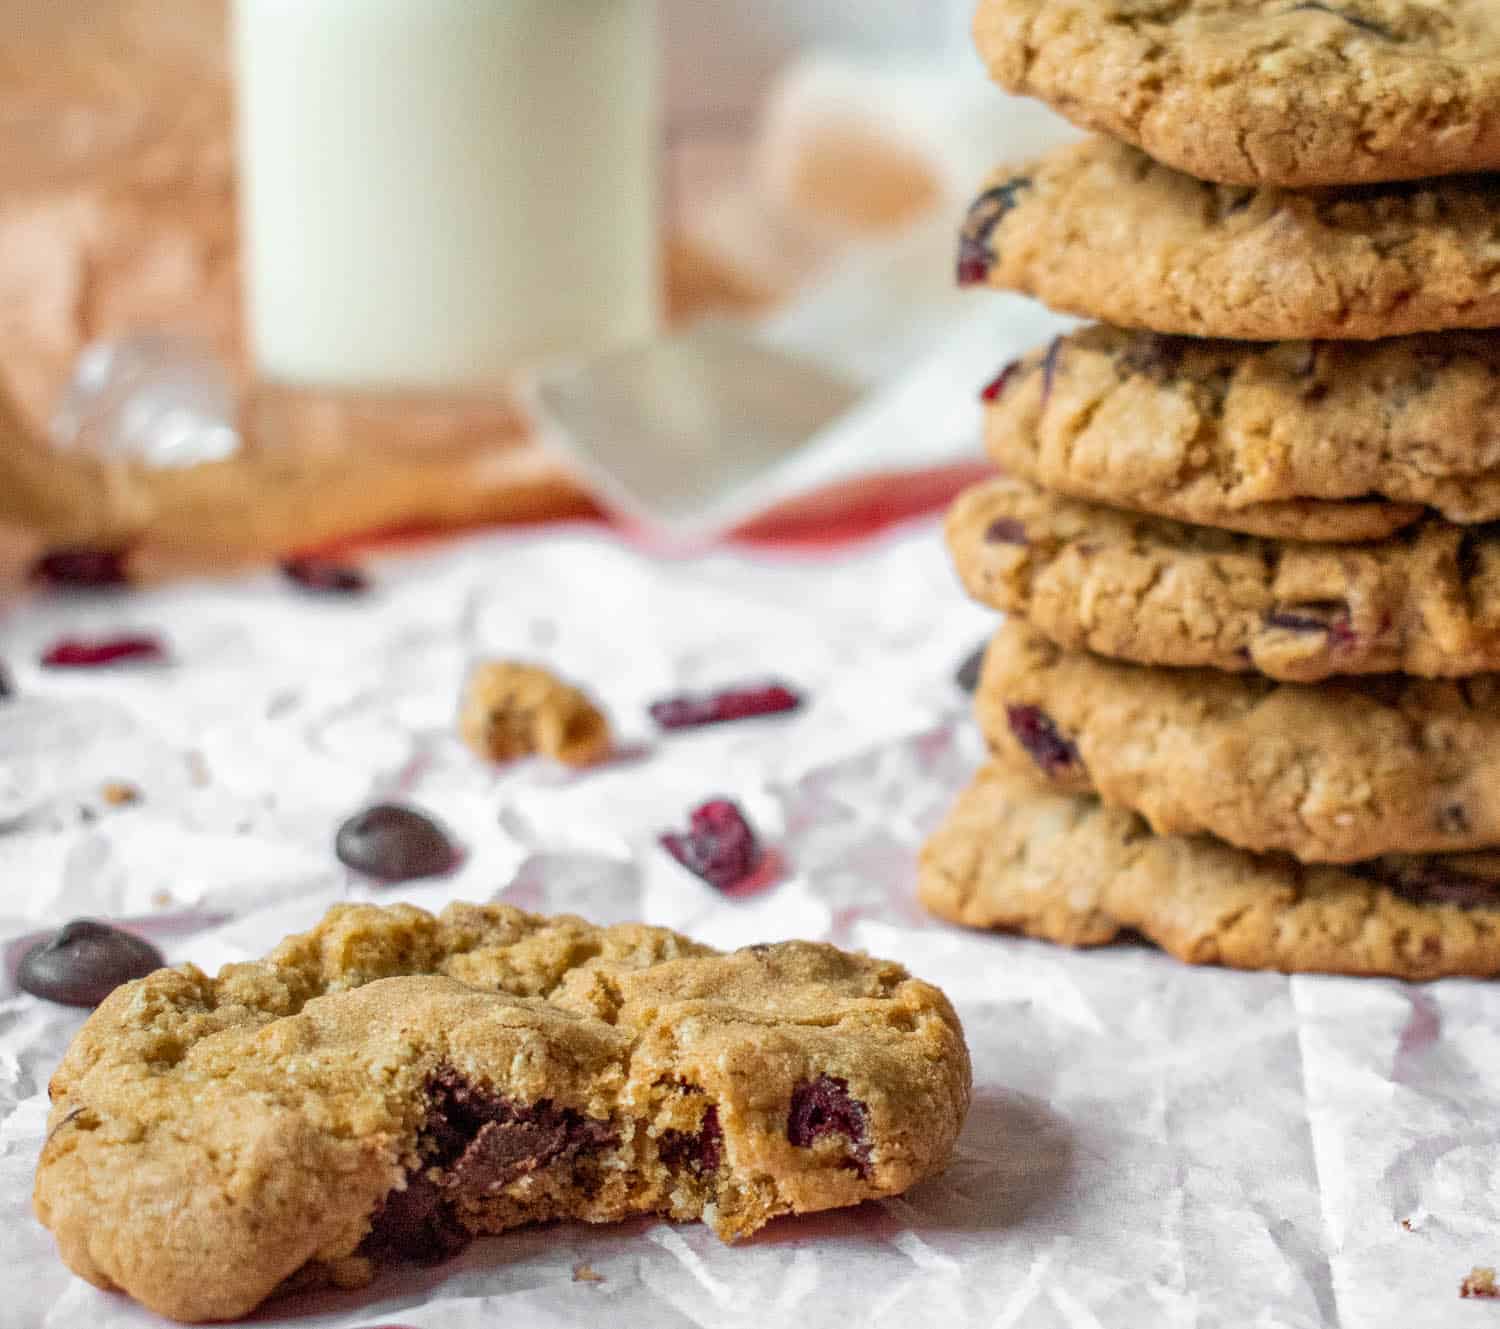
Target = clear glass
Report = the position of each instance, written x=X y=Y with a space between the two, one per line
x=437 y=192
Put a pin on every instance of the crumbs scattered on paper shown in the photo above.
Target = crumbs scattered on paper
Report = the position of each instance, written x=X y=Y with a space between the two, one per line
x=1479 y=1283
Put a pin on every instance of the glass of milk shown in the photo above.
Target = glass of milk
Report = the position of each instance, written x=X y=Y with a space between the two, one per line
x=439 y=192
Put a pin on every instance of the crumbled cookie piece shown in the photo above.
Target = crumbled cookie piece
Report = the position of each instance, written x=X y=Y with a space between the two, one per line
x=515 y=710
x=118 y=794
x=1479 y=1283
x=392 y=1084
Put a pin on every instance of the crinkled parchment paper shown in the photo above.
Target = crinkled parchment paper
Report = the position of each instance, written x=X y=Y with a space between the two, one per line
x=1150 y=1145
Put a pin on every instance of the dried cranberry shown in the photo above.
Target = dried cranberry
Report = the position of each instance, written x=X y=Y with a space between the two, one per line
x=1005 y=531
x=92 y=653
x=967 y=674
x=1036 y=731
x=320 y=574
x=995 y=388
x=720 y=846
x=84 y=962
x=989 y=209
x=81 y=567
x=687 y=711
x=392 y=843
x=823 y=1107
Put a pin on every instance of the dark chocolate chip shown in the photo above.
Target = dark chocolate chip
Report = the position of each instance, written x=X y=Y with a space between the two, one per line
x=476 y=1142
x=415 y=1224
x=1005 y=531
x=1038 y=733
x=1153 y=355
x=393 y=843
x=967 y=674
x=1431 y=881
x=699 y=1152
x=84 y=962
x=989 y=209
x=824 y=1107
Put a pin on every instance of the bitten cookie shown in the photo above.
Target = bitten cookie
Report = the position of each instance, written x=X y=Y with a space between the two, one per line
x=1303 y=440
x=1157 y=592
x=1014 y=857
x=1265 y=91
x=390 y=1084
x=1347 y=770
x=1099 y=229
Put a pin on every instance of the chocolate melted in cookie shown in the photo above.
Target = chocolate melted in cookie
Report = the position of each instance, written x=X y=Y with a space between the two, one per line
x=478 y=1142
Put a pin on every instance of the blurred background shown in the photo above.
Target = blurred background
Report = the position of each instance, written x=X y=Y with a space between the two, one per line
x=809 y=161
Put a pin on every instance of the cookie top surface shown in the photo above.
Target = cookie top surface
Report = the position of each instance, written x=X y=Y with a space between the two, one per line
x=1099 y=229
x=1298 y=440
x=1348 y=770
x=1158 y=592
x=213 y=1137
x=1015 y=856
x=1265 y=91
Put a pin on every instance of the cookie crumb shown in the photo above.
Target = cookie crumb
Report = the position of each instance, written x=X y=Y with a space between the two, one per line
x=583 y=1273
x=118 y=794
x=514 y=710
x=1479 y=1283
x=1406 y=1225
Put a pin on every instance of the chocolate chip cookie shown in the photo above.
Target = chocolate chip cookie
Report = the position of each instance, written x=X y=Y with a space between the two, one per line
x=1347 y=770
x=1153 y=591
x=1019 y=858
x=1265 y=91
x=1300 y=440
x=1099 y=229
x=391 y=1084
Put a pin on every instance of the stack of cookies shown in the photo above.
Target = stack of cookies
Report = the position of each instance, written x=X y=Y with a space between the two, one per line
x=1242 y=702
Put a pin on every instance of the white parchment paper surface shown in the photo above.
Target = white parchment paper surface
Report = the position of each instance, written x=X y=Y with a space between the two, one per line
x=1149 y=1146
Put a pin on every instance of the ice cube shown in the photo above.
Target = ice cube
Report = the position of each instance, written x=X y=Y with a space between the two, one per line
x=157 y=400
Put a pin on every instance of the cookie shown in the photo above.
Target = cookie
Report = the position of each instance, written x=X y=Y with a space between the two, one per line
x=1299 y=440
x=512 y=710
x=1265 y=91
x=1099 y=229
x=391 y=1084
x=1158 y=592
x=1068 y=869
x=1347 y=770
